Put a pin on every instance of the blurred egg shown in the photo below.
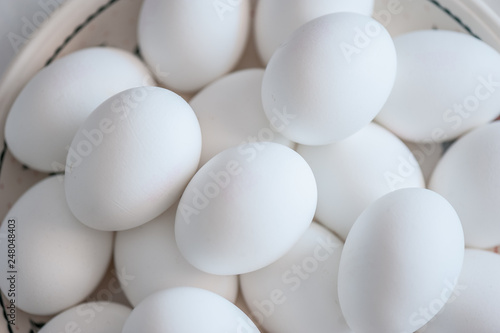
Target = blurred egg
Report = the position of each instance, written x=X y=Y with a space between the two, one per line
x=132 y=158
x=187 y=310
x=442 y=89
x=190 y=43
x=91 y=317
x=354 y=172
x=57 y=261
x=276 y=19
x=403 y=254
x=56 y=101
x=230 y=113
x=474 y=304
x=330 y=78
x=150 y=254
x=245 y=208
x=298 y=292
x=468 y=177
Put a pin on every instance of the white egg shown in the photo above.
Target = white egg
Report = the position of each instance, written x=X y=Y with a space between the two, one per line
x=190 y=43
x=468 y=177
x=91 y=317
x=276 y=19
x=298 y=292
x=187 y=310
x=330 y=78
x=149 y=254
x=230 y=113
x=54 y=261
x=132 y=158
x=56 y=101
x=474 y=304
x=404 y=252
x=245 y=208
x=354 y=172
x=442 y=90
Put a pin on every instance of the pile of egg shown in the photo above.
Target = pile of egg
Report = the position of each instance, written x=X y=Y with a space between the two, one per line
x=294 y=184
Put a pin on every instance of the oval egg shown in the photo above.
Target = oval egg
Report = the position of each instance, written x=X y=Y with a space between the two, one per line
x=230 y=113
x=58 y=261
x=190 y=43
x=187 y=310
x=150 y=254
x=132 y=158
x=56 y=101
x=354 y=172
x=403 y=252
x=467 y=176
x=245 y=208
x=431 y=61
x=314 y=80
x=280 y=295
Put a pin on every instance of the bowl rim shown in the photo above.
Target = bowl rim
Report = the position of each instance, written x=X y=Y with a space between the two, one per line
x=70 y=16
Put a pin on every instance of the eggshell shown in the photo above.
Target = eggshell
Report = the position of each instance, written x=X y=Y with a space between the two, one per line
x=245 y=208
x=402 y=255
x=149 y=254
x=442 y=89
x=57 y=261
x=92 y=317
x=474 y=304
x=330 y=78
x=56 y=101
x=276 y=19
x=354 y=172
x=468 y=177
x=190 y=43
x=230 y=113
x=298 y=292
x=187 y=310
x=132 y=158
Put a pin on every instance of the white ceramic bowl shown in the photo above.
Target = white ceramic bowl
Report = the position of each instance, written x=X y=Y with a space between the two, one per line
x=83 y=23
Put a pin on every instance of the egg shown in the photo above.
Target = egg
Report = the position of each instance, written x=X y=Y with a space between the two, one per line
x=91 y=317
x=230 y=113
x=314 y=82
x=149 y=254
x=474 y=304
x=187 y=310
x=56 y=101
x=53 y=261
x=190 y=43
x=402 y=256
x=467 y=176
x=276 y=19
x=245 y=208
x=354 y=172
x=298 y=292
x=442 y=91
x=132 y=158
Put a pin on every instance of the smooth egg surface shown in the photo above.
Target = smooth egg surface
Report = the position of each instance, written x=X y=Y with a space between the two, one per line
x=132 y=158
x=57 y=261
